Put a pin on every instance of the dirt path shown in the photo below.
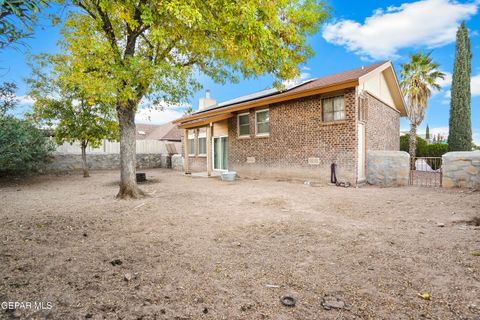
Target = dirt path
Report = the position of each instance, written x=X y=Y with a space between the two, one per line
x=203 y=249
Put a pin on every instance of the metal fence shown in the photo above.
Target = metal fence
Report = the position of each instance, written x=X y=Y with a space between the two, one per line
x=426 y=172
x=143 y=146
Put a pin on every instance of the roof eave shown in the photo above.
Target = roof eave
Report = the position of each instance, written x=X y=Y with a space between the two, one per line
x=268 y=100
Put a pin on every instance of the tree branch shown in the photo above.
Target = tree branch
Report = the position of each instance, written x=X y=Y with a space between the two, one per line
x=109 y=32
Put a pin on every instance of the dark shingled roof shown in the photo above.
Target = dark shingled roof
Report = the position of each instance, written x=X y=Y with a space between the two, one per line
x=330 y=80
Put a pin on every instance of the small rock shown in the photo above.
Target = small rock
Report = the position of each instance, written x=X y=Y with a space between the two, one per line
x=288 y=301
x=440 y=225
x=127 y=277
x=205 y=310
x=88 y=316
x=331 y=302
x=162 y=311
x=85 y=234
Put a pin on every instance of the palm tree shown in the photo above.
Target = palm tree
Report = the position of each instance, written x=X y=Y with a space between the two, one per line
x=419 y=77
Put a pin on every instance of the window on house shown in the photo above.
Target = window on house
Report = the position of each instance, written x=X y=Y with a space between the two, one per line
x=362 y=108
x=191 y=142
x=202 y=141
x=333 y=109
x=262 y=122
x=191 y=146
x=243 y=125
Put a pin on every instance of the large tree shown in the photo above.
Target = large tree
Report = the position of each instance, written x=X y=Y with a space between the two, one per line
x=145 y=49
x=7 y=97
x=419 y=77
x=16 y=19
x=74 y=113
x=460 y=123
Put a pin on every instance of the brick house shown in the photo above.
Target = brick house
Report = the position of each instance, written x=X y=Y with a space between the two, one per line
x=300 y=131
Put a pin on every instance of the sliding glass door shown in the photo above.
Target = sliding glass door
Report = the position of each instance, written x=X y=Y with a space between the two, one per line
x=220 y=153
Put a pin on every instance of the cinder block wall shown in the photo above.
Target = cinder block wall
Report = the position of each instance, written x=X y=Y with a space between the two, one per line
x=388 y=168
x=461 y=169
x=383 y=126
x=297 y=133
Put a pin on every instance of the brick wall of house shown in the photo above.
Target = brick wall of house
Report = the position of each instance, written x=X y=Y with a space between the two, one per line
x=298 y=133
x=383 y=126
x=196 y=163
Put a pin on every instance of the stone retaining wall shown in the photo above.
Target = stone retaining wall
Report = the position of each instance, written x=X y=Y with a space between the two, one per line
x=461 y=169
x=177 y=162
x=71 y=162
x=388 y=168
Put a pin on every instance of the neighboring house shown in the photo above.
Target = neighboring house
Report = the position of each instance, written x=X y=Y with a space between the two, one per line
x=301 y=131
x=143 y=130
x=168 y=133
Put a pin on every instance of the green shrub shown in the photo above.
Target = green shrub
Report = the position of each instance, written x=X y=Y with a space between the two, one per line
x=405 y=145
x=435 y=150
x=23 y=147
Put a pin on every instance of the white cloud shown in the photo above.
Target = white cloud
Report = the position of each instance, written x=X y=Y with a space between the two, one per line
x=25 y=101
x=475 y=85
x=154 y=116
x=304 y=75
x=430 y=23
x=159 y=113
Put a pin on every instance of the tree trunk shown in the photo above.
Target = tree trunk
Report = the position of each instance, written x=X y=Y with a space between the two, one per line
x=413 y=145
x=128 y=183
x=84 y=159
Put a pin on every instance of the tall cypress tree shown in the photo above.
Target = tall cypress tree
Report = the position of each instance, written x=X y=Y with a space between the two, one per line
x=460 y=124
x=427 y=133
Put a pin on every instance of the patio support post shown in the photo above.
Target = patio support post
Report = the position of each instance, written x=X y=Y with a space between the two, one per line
x=185 y=151
x=209 y=149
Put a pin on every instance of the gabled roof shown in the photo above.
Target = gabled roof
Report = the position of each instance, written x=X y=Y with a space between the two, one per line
x=338 y=81
x=143 y=130
x=167 y=131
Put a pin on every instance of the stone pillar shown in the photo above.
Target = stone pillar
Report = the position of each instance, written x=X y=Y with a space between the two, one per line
x=461 y=169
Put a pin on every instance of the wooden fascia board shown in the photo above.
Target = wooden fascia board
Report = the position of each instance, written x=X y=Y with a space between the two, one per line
x=204 y=121
x=270 y=100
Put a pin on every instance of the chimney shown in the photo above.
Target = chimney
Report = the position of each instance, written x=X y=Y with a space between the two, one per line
x=207 y=102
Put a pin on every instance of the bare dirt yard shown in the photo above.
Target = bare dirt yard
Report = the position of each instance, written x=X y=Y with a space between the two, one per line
x=203 y=249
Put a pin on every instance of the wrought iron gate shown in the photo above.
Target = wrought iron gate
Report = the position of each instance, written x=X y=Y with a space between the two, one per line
x=426 y=171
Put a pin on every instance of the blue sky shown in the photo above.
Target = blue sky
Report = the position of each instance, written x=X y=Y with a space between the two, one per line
x=357 y=34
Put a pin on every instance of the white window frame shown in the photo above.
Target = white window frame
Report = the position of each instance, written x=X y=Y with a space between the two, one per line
x=191 y=136
x=238 y=125
x=256 y=123
x=202 y=133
